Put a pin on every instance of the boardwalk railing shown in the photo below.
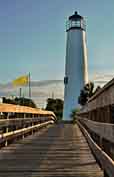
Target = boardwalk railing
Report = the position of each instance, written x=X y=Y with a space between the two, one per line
x=103 y=130
x=100 y=137
x=19 y=121
x=12 y=135
x=100 y=107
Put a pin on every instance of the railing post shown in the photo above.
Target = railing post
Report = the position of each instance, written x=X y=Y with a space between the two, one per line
x=23 y=135
x=24 y=115
x=32 y=125
x=101 y=142
x=7 y=130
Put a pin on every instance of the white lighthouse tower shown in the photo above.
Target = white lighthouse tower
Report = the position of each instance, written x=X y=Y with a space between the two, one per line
x=76 y=72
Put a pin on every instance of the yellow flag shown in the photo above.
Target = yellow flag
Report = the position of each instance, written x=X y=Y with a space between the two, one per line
x=23 y=80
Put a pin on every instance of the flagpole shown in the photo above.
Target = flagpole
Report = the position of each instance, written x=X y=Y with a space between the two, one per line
x=20 y=92
x=29 y=86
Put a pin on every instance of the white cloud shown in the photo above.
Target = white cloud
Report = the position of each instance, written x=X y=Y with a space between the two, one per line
x=41 y=90
x=100 y=78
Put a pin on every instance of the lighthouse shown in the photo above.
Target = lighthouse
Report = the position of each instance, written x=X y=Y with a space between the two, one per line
x=76 y=72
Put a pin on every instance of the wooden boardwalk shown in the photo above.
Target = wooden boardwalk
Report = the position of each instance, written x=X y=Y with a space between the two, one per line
x=60 y=150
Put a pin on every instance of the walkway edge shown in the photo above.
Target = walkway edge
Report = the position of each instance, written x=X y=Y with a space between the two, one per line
x=106 y=162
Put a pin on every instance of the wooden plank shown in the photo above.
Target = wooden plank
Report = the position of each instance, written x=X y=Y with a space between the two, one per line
x=10 y=108
x=60 y=150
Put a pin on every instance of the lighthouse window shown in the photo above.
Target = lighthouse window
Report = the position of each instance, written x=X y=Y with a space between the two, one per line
x=66 y=80
x=73 y=24
x=78 y=23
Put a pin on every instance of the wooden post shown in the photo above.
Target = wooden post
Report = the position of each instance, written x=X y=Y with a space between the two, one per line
x=32 y=124
x=24 y=116
x=7 y=130
x=101 y=142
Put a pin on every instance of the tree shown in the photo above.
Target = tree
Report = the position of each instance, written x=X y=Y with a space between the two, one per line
x=86 y=93
x=55 y=105
x=82 y=99
x=20 y=101
x=25 y=102
x=73 y=114
x=97 y=89
x=89 y=87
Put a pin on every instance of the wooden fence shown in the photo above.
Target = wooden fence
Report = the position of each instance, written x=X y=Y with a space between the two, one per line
x=19 y=121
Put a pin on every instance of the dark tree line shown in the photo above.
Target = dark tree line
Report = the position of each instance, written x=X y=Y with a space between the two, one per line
x=86 y=93
x=20 y=101
x=55 y=105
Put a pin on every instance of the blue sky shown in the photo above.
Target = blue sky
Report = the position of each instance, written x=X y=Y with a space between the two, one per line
x=33 y=37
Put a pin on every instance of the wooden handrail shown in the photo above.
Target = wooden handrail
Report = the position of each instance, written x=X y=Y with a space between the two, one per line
x=106 y=162
x=17 y=121
x=16 y=133
x=10 y=108
x=104 y=130
x=10 y=128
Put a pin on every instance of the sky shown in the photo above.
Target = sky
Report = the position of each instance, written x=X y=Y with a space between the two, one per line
x=33 y=37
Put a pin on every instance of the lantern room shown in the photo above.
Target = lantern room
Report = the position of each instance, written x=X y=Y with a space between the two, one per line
x=75 y=22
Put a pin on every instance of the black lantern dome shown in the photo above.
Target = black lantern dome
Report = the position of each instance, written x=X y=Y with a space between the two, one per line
x=75 y=22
